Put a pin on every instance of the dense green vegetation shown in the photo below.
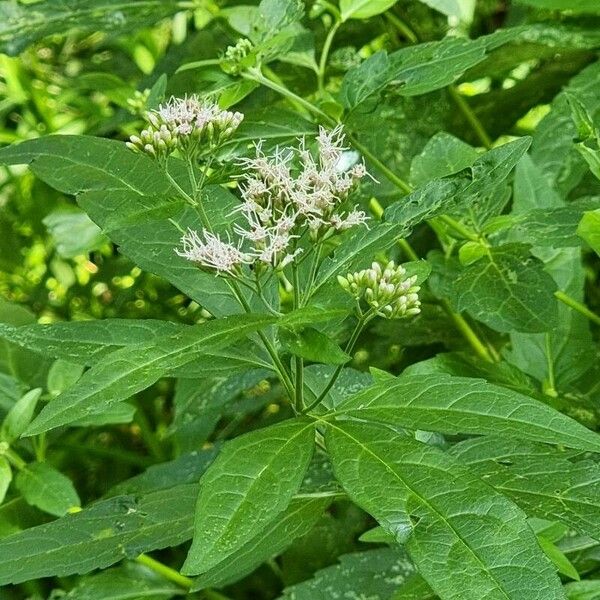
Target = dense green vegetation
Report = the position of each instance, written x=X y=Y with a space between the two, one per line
x=299 y=300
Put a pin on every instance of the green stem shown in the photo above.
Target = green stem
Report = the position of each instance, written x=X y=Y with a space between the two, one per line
x=165 y=571
x=578 y=306
x=14 y=458
x=196 y=188
x=325 y=53
x=183 y=193
x=471 y=117
x=550 y=384
x=298 y=361
x=395 y=179
x=282 y=371
x=461 y=229
x=467 y=332
x=362 y=321
x=312 y=275
x=272 y=76
x=256 y=75
x=402 y=27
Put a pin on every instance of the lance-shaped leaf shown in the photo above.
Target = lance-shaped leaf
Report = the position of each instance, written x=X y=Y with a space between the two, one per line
x=573 y=6
x=100 y=535
x=453 y=405
x=87 y=342
x=467 y=540
x=133 y=369
x=418 y=69
x=23 y=24
x=462 y=189
x=543 y=481
x=250 y=483
x=297 y=520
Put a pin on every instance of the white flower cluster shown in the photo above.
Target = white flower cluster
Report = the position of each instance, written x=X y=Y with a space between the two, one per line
x=284 y=196
x=185 y=123
x=387 y=290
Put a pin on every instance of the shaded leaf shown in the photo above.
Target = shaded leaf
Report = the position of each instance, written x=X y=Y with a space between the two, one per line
x=47 y=489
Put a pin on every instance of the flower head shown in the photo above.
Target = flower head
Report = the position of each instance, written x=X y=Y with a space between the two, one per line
x=284 y=196
x=211 y=252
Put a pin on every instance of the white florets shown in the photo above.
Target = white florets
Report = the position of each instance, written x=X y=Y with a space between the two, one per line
x=211 y=252
x=285 y=195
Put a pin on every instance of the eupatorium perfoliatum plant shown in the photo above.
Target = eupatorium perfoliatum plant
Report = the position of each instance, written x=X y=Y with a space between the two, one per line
x=378 y=376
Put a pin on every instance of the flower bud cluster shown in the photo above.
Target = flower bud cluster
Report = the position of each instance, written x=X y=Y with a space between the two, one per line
x=289 y=195
x=234 y=60
x=386 y=290
x=186 y=124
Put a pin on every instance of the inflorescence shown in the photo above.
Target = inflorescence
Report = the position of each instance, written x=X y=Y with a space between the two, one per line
x=385 y=290
x=285 y=195
x=187 y=124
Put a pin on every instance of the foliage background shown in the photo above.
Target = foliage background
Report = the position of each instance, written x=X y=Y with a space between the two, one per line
x=66 y=68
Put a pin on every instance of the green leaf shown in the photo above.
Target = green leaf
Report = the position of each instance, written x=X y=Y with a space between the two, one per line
x=87 y=342
x=187 y=468
x=547 y=227
x=442 y=155
x=417 y=69
x=130 y=370
x=553 y=150
x=250 y=483
x=47 y=489
x=356 y=249
x=5 y=477
x=22 y=24
x=507 y=289
x=312 y=345
x=559 y=560
x=462 y=190
x=439 y=402
x=364 y=9
x=574 y=6
x=123 y=583
x=452 y=514
x=544 y=482
x=19 y=416
x=62 y=375
x=74 y=233
x=297 y=520
x=373 y=574
x=589 y=229
x=100 y=535
x=583 y=590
